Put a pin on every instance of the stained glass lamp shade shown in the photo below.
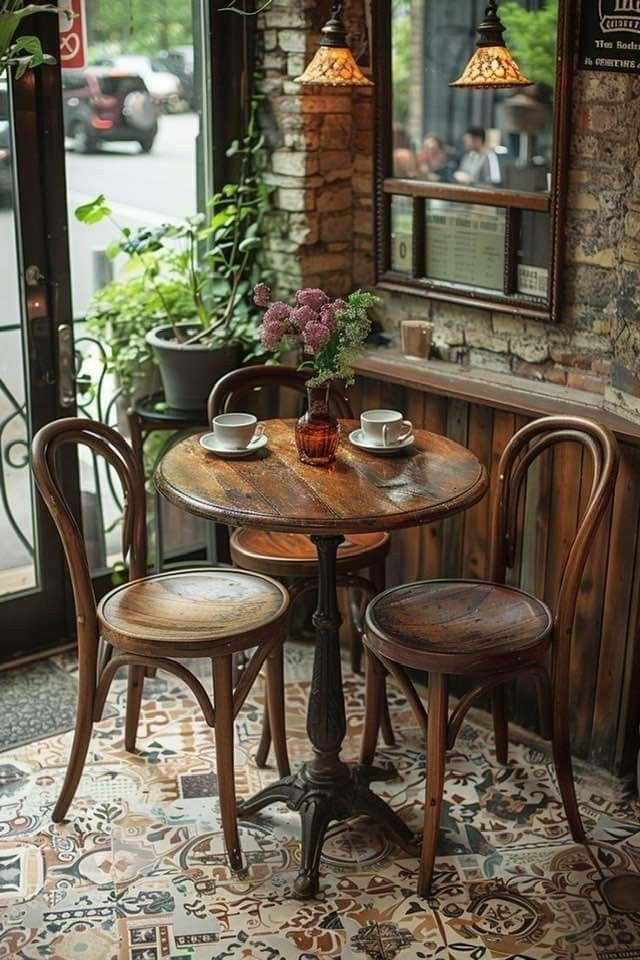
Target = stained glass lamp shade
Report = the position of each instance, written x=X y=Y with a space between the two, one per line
x=492 y=67
x=334 y=64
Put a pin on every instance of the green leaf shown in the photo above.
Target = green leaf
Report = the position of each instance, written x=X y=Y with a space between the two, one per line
x=250 y=243
x=93 y=212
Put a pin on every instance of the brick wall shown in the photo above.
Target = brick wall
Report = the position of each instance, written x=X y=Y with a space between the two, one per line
x=321 y=231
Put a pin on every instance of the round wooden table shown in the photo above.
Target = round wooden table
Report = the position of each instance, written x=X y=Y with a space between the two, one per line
x=273 y=490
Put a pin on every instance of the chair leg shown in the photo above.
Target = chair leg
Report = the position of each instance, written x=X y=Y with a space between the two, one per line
x=224 y=739
x=378 y=577
x=500 y=723
x=276 y=710
x=135 y=684
x=434 y=788
x=82 y=733
x=385 y=719
x=374 y=706
x=564 y=771
x=262 y=753
x=356 y=609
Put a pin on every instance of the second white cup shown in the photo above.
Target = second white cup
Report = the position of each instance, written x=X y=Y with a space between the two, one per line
x=235 y=431
x=384 y=428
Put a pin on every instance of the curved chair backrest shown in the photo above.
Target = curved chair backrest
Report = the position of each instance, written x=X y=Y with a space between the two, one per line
x=105 y=442
x=519 y=454
x=236 y=385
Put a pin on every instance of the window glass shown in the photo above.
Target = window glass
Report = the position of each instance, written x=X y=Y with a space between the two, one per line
x=137 y=132
x=481 y=138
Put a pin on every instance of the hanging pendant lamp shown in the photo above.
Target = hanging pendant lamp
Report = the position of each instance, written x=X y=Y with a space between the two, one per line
x=334 y=64
x=492 y=67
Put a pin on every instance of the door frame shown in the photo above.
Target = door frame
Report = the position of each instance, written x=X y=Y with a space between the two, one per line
x=40 y=617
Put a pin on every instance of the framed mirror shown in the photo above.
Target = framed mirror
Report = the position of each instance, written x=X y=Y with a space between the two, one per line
x=471 y=183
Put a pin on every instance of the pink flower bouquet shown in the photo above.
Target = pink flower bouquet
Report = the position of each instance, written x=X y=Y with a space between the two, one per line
x=331 y=332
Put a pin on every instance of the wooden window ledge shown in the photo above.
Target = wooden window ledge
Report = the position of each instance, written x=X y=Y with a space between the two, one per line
x=499 y=390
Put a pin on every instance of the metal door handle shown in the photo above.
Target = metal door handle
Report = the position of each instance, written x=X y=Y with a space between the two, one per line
x=66 y=366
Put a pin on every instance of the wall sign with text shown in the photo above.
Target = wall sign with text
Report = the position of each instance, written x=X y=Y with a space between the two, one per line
x=610 y=36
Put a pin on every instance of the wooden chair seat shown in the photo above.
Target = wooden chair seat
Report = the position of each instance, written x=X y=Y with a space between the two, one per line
x=457 y=625
x=294 y=555
x=195 y=611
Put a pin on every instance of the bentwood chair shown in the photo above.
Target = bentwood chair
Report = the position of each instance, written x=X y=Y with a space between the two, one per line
x=151 y=622
x=489 y=631
x=292 y=556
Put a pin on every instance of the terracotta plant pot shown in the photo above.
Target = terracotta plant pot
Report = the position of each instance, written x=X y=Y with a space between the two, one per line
x=189 y=371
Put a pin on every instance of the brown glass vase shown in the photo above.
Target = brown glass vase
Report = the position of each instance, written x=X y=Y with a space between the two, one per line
x=318 y=431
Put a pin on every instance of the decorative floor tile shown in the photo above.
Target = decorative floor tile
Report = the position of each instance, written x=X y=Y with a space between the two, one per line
x=139 y=872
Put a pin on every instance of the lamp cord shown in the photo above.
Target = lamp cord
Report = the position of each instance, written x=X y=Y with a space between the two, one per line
x=337 y=11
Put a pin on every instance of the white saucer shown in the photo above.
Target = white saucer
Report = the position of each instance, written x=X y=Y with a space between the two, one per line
x=356 y=437
x=211 y=445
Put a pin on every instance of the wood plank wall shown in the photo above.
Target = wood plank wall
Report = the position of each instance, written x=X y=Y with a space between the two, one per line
x=605 y=671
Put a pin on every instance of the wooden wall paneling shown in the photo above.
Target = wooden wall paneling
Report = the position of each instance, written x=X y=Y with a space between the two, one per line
x=475 y=560
x=621 y=576
x=401 y=566
x=562 y=517
x=413 y=542
x=585 y=646
x=435 y=420
x=453 y=528
x=628 y=738
x=516 y=570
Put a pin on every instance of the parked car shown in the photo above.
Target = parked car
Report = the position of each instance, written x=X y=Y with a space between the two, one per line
x=106 y=105
x=179 y=61
x=164 y=87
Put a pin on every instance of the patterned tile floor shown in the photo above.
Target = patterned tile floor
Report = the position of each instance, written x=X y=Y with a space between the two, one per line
x=139 y=873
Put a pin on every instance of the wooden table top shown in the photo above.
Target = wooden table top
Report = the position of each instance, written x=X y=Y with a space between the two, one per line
x=273 y=490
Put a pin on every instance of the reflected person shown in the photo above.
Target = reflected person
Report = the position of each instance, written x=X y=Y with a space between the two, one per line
x=479 y=164
x=434 y=161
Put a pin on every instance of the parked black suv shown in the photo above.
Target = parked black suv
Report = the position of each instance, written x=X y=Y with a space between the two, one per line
x=107 y=105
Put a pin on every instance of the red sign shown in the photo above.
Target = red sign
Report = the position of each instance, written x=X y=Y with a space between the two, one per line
x=73 y=35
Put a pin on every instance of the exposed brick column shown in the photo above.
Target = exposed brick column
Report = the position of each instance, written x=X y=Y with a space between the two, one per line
x=320 y=232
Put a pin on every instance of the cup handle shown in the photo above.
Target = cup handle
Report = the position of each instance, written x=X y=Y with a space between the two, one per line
x=259 y=432
x=385 y=435
x=407 y=432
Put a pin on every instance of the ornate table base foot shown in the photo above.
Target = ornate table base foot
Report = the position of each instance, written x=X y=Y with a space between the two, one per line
x=319 y=804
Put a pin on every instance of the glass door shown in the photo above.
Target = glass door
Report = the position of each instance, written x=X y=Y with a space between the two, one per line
x=36 y=352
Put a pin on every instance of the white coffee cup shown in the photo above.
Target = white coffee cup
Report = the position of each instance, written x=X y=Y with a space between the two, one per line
x=384 y=428
x=235 y=431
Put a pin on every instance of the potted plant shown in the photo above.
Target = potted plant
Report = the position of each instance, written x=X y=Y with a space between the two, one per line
x=331 y=334
x=189 y=285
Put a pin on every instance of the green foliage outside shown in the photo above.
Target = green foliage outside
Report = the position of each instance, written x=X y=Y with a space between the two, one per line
x=401 y=66
x=532 y=36
x=139 y=26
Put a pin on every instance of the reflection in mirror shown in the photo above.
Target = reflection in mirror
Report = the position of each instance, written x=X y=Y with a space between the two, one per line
x=488 y=138
x=465 y=244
